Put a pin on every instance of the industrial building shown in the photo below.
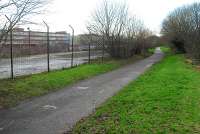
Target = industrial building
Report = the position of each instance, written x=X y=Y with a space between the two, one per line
x=34 y=42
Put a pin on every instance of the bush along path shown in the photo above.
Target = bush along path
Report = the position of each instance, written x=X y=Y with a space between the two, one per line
x=59 y=111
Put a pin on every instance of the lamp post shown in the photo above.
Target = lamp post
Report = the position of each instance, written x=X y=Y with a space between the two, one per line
x=72 y=60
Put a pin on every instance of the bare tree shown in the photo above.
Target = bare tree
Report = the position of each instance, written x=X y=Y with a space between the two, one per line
x=17 y=12
x=182 y=27
x=119 y=29
x=137 y=34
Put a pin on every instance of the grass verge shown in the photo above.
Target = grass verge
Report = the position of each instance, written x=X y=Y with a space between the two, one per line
x=163 y=100
x=151 y=50
x=165 y=49
x=14 y=91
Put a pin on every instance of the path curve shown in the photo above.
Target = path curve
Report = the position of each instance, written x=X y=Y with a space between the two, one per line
x=59 y=111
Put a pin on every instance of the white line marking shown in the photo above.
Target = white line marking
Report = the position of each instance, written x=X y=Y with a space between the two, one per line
x=101 y=91
x=149 y=65
x=49 y=107
x=82 y=88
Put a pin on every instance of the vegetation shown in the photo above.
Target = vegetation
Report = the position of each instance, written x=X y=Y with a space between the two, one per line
x=165 y=49
x=151 y=50
x=17 y=12
x=122 y=34
x=14 y=91
x=163 y=100
x=182 y=28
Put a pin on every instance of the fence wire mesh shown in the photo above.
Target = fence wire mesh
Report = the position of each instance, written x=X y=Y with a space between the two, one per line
x=30 y=52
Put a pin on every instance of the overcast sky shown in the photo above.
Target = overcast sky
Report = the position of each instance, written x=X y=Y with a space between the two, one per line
x=61 y=13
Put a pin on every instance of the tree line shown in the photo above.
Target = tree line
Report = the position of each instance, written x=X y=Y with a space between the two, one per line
x=182 y=28
x=111 y=25
x=122 y=34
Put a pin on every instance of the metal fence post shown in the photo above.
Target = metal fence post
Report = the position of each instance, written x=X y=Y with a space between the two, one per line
x=103 y=48
x=11 y=47
x=72 y=60
x=29 y=40
x=89 y=51
x=11 y=53
x=48 y=43
x=89 y=46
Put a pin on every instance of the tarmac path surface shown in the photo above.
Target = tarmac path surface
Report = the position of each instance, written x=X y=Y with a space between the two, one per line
x=57 y=112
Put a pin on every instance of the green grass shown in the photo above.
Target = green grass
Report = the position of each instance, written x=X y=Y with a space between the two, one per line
x=165 y=49
x=14 y=91
x=151 y=50
x=164 y=100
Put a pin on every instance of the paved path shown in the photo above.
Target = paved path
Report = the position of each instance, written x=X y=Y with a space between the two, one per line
x=59 y=111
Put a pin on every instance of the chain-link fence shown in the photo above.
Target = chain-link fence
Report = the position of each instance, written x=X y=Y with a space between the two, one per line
x=26 y=52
